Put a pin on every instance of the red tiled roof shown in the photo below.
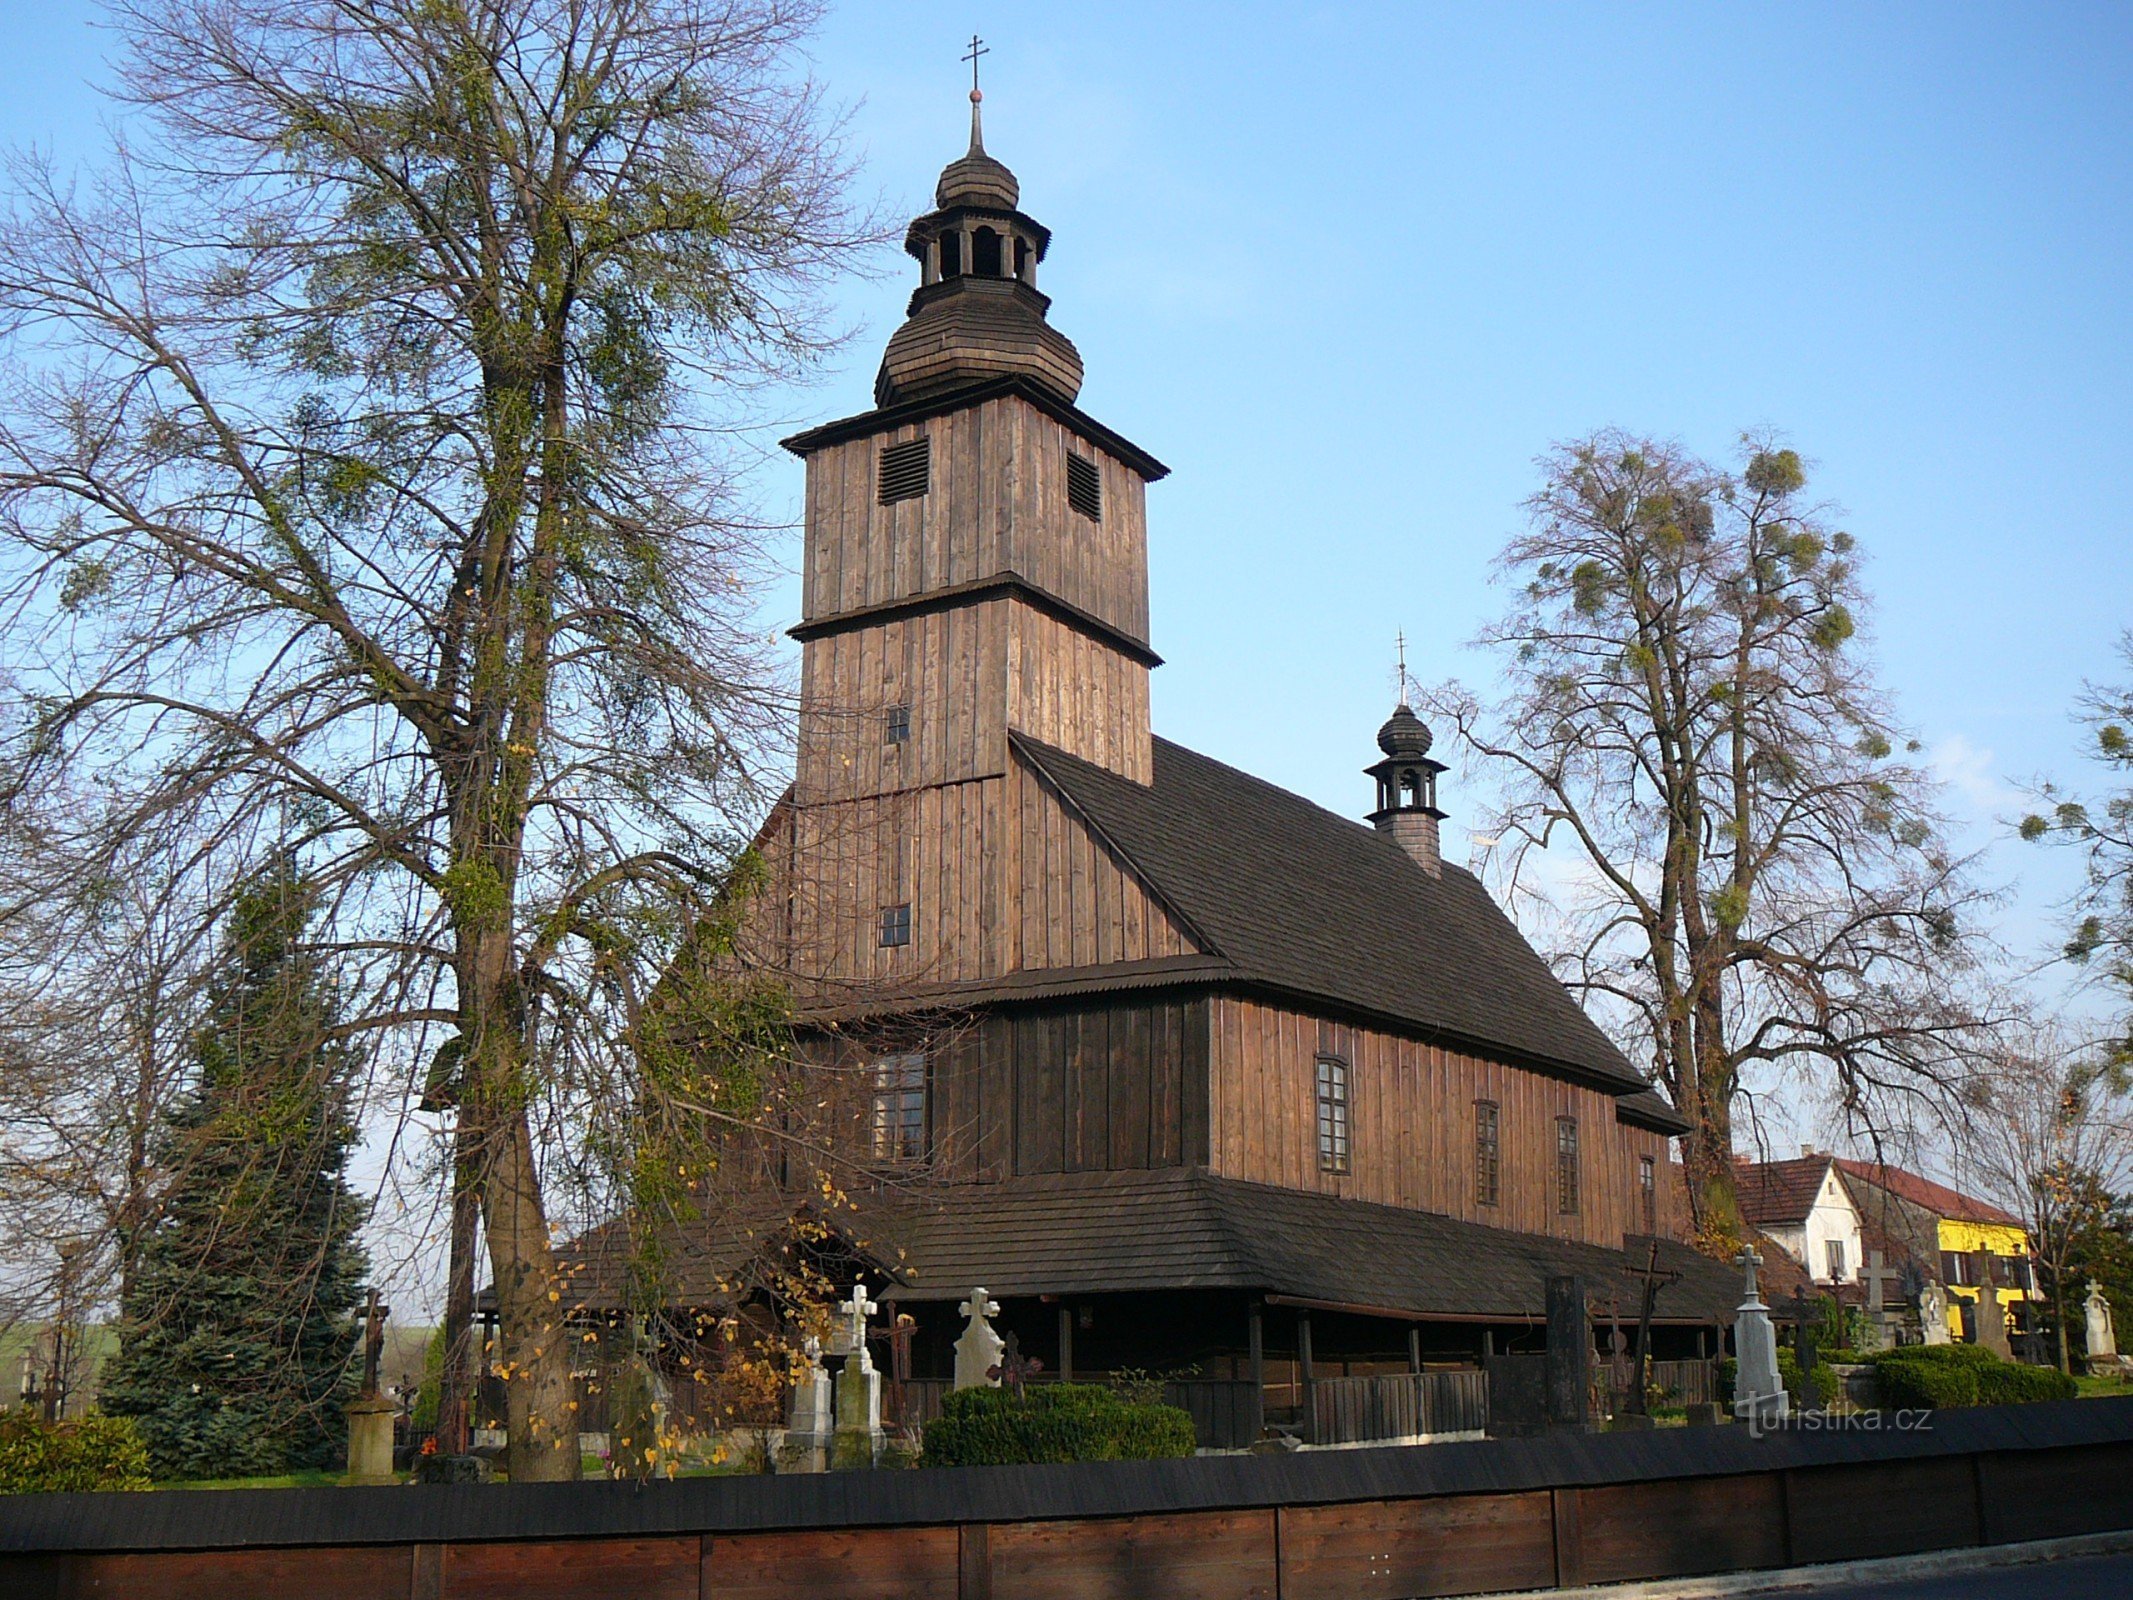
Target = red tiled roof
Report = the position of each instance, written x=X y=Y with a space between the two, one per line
x=1778 y=1192
x=1937 y=1198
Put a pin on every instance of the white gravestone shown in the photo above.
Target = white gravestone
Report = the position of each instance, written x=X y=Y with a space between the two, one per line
x=811 y=1422
x=1933 y=1314
x=2102 y=1331
x=858 y=1438
x=977 y=1352
x=1759 y=1396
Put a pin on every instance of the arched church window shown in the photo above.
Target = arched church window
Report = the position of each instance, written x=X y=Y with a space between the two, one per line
x=984 y=253
x=951 y=255
x=1021 y=258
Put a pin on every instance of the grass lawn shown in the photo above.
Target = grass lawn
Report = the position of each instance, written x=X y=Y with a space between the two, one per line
x=2102 y=1387
x=309 y=1478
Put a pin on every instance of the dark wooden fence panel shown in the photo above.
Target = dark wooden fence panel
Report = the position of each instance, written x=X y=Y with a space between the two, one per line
x=1680 y=1528
x=1390 y=1549
x=232 y=1575
x=1402 y=1405
x=1685 y=1382
x=2053 y=1494
x=862 y=1564
x=584 y=1569
x=1215 y=1555
x=1885 y=1508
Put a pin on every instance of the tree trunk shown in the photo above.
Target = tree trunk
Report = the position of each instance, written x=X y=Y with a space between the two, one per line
x=533 y=1343
x=461 y=1372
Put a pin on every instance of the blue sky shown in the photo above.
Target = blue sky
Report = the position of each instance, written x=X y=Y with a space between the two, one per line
x=1349 y=269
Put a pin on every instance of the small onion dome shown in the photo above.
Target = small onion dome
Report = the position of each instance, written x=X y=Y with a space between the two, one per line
x=1404 y=734
x=975 y=178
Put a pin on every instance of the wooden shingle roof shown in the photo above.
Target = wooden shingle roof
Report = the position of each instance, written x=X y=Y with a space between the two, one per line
x=1295 y=897
x=1183 y=1228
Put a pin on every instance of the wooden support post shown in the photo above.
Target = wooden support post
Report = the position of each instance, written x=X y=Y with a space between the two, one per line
x=1488 y=1343
x=1255 y=1342
x=1066 y=1342
x=1303 y=1374
x=1414 y=1347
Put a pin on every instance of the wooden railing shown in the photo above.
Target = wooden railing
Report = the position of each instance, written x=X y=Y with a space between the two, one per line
x=1403 y=1405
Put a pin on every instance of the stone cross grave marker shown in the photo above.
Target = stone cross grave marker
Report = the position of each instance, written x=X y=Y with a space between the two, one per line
x=977 y=1352
x=1880 y=1317
x=858 y=1437
x=370 y=1414
x=810 y=1423
x=1991 y=1319
x=1759 y=1397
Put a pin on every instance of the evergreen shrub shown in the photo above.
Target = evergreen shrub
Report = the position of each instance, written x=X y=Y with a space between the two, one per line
x=1052 y=1422
x=83 y=1453
x=1940 y=1376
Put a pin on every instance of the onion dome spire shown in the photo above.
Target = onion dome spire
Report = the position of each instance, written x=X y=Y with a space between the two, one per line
x=976 y=315
x=1407 y=787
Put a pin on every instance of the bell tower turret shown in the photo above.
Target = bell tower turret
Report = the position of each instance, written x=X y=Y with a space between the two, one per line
x=1407 y=788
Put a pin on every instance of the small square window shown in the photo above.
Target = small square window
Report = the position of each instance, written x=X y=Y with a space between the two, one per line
x=1085 y=487
x=897 y=724
x=896 y=924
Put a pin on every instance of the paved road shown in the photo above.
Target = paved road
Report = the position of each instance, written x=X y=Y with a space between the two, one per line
x=2095 y=1578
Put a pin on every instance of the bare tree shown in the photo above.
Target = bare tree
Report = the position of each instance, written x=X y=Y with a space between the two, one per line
x=2047 y=1132
x=362 y=461
x=1759 y=878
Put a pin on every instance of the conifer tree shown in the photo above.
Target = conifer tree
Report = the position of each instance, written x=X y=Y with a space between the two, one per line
x=238 y=1338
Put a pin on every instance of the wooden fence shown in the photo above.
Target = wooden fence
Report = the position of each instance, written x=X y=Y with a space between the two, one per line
x=1402 y=1405
x=1685 y=1382
x=1454 y=1519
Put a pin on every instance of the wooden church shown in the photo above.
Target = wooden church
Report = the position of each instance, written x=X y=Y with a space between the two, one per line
x=1187 y=1071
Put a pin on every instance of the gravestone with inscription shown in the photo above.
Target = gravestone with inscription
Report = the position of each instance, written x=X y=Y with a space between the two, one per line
x=1569 y=1355
x=858 y=1439
x=1758 y=1394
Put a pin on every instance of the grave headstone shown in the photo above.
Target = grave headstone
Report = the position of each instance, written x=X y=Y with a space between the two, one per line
x=1758 y=1395
x=1933 y=1314
x=1880 y=1314
x=2102 y=1330
x=858 y=1438
x=1569 y=1354
x=810 y=1422
x=1991 y=1319
x=1518 y=1394
x=370 y=1414
x=977 y=1352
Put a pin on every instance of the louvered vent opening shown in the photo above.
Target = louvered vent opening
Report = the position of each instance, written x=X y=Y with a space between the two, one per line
x=906 y=471
x=1085 y=487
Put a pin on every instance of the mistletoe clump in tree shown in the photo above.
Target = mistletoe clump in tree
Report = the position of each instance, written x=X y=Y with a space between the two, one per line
x=1762 y=879
x=237 y=1335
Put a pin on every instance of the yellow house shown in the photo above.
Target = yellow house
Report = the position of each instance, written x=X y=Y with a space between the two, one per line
x=1951 y=1235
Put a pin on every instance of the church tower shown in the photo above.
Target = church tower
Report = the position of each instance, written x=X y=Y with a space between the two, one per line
x=975 y=565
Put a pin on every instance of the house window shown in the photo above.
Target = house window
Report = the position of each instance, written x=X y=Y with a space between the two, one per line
x=897 y=724
x=1332 y=1114
x=1085 y=487
x=900 y=1108
x=906 y=471
x=1648 y=1192
x=1488 y=1154
x=1566 y=1165
x=896 y=924
x=1954 y=1267
x=1835 y=1249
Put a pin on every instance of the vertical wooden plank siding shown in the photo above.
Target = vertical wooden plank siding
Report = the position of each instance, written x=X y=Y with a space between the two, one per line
x=1410 y=1109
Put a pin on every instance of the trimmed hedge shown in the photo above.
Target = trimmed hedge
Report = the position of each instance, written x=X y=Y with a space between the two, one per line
x=1941 y=1376
x=1052 y=1422
x=92 y=1452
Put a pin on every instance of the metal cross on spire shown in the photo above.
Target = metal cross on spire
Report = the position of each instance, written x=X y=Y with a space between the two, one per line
x=977 y=48
x=1400 y=644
